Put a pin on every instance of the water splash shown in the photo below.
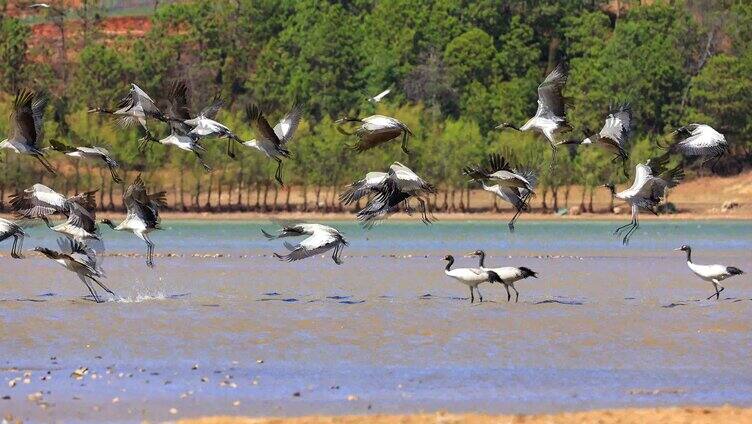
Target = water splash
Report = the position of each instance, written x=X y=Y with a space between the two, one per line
x=143 y=295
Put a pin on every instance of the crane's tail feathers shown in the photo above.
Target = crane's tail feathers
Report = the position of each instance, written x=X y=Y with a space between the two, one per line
x=734 y=270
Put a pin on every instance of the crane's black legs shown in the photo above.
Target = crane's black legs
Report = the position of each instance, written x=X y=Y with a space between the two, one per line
x=717 y=293
x=472 y=296
x=201 y=160
x=525 y=206
x=45 y=163
x=618 y=230
x=635 y=226
x=514 y=218
x=509 y=295
x=424 y=211
x=404 y=142
x=91 y=290
x=101 y=284
x=278 y=173
x=336 y=256
x=480 y=296
x=15 y=250
x=115 y=177
x=516 y=294
x=149 y=254
x=552 y=166
x=230 y=150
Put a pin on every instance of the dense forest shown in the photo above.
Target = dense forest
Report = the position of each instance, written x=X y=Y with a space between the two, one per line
x=456 y=68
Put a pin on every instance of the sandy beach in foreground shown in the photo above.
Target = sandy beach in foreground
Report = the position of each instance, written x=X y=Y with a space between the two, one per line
x=691 y=414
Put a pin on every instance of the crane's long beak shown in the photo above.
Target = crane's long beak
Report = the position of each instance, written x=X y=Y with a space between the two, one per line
x=679 y=248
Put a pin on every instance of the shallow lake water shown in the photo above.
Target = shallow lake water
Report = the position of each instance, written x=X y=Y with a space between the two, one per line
x=603 y=326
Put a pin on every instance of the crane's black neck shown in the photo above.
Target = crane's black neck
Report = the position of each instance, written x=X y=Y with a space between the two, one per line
x=450 y=261
x=689 y=254
x=481 y=259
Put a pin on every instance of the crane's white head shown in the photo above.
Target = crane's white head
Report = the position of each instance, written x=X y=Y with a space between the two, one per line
x=684 y=248
x=611 y=187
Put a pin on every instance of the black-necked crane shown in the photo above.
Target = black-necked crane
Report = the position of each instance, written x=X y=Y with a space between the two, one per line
x=321 y=238
x=389 y=189
x=698 y=140
x=79 y=259
x=135 y=107
x=550 y=117
x=614 y=135
x=651 y=181
x=179 y=111
x=273 y=141
x=375 y=130
x=42 y=202
x=26 y=127
x=12 y=229
x=511 y=185
x=143 y=215
x=471 y=277
x=204 y=125
x=711 y=273
x=508 y=275
x=91 y=153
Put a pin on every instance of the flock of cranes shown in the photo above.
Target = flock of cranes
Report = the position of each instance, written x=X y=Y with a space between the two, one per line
x=81 y=246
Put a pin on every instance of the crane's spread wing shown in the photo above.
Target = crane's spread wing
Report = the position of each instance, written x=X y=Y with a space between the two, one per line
x=617 y=127
x=373 y=182
x=86 y=200
x=38 y=202
x=408 y=181
x=370 y=139
x=699 y=140
x=286 y=127
x=26 y=118
x=211 y=110
x=144 y=205
x=79 y=252
x=550 y=97
x=147 y=104
x=494 y=163
x=316 y=244
x=654 y=189
x=256 y=116
x=178 y=97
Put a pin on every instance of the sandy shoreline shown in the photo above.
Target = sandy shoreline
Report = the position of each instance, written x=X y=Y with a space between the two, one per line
x=503 y=217
x=345 y=216
x=693 y=414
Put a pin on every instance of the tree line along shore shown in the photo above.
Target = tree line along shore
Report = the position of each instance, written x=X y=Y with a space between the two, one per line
x=456 y=70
